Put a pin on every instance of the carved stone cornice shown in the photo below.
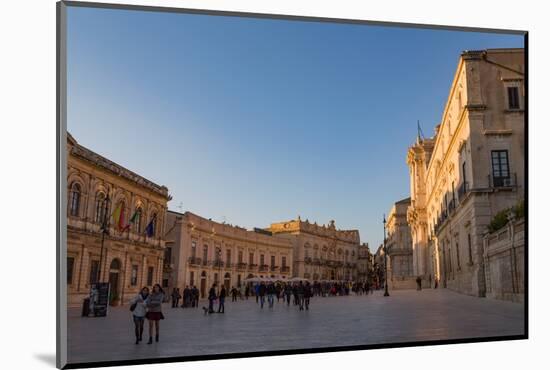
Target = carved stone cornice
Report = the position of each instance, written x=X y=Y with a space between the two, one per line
x=86 y=154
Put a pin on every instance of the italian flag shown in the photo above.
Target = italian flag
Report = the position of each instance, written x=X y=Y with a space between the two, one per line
x=132 y=221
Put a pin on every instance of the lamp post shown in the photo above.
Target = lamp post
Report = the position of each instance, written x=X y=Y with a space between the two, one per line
x=219 y=262
x=104 y=230
x=386 y=293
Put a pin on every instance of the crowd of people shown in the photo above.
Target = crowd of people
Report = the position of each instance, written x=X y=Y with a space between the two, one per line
x=148 y=305
x=190 y=297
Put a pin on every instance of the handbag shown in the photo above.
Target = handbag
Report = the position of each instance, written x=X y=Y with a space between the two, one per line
x=133 y=306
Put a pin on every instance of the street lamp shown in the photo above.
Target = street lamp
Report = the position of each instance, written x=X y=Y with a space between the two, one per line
x=219 y=258
x=104 y=230
x=386 y=294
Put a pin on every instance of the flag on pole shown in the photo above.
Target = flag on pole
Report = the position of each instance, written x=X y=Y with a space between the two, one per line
x=132 y=221
x=150 y=229
x=118 y=217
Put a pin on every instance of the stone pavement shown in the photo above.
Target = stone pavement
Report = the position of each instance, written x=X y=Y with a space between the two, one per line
x=405 y=316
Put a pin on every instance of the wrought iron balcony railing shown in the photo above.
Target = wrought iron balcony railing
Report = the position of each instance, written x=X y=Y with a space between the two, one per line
x=463 y=190
x=503 y=181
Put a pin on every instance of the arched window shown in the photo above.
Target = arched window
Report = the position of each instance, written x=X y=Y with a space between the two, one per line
x=75 y=199
x=100 y=207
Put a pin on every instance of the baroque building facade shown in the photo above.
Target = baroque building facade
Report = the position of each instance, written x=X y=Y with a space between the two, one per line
x=320 y=252
x=472 y=168
x=364 y=263
x=399 y=247
x=201 y=252
x=101 y=192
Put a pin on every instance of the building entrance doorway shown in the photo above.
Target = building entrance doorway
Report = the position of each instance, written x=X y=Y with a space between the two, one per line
x=227 y=281
x=203 y=284
x=114 y=272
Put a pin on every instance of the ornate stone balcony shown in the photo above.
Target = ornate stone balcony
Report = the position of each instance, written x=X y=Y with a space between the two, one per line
x=263 y=268
x=194 y=261
x=217 y=263
x=273 y=268
x=285 y=269
x=241 y=266
x=307 y=260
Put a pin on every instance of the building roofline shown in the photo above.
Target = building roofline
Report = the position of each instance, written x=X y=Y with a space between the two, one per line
x=82 y=152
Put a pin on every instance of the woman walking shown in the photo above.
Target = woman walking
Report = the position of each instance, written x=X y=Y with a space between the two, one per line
x=139 y=309
x=154 y=311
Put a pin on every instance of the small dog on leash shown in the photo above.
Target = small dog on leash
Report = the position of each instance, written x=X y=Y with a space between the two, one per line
x=205 y=310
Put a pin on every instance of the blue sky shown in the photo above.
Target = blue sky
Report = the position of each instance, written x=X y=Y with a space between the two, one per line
x=253 y=121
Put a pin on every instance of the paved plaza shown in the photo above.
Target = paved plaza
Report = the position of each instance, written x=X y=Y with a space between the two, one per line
x=405 y=316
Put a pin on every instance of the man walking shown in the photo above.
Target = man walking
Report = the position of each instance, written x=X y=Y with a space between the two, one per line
x=186 y=297
x=234 y=293
x=221 y=306
x=300 y=292
x=175 y=297
x=261 y=294
x=288 y=293
x=270 y=293
x=307 y=294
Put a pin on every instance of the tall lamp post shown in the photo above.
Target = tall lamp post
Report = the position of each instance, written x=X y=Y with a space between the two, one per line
x=386 y=293
x=104 y=230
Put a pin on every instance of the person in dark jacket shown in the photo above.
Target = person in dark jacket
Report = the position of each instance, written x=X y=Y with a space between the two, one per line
x=261 y=293
x=300 y=292
x=234 y=293
x=175 y=297
x=186 y=297
x=288 y=293
x=211 y=298
x=295 y=293
x=308 y=293
x=221 y=306
x=270 y=293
